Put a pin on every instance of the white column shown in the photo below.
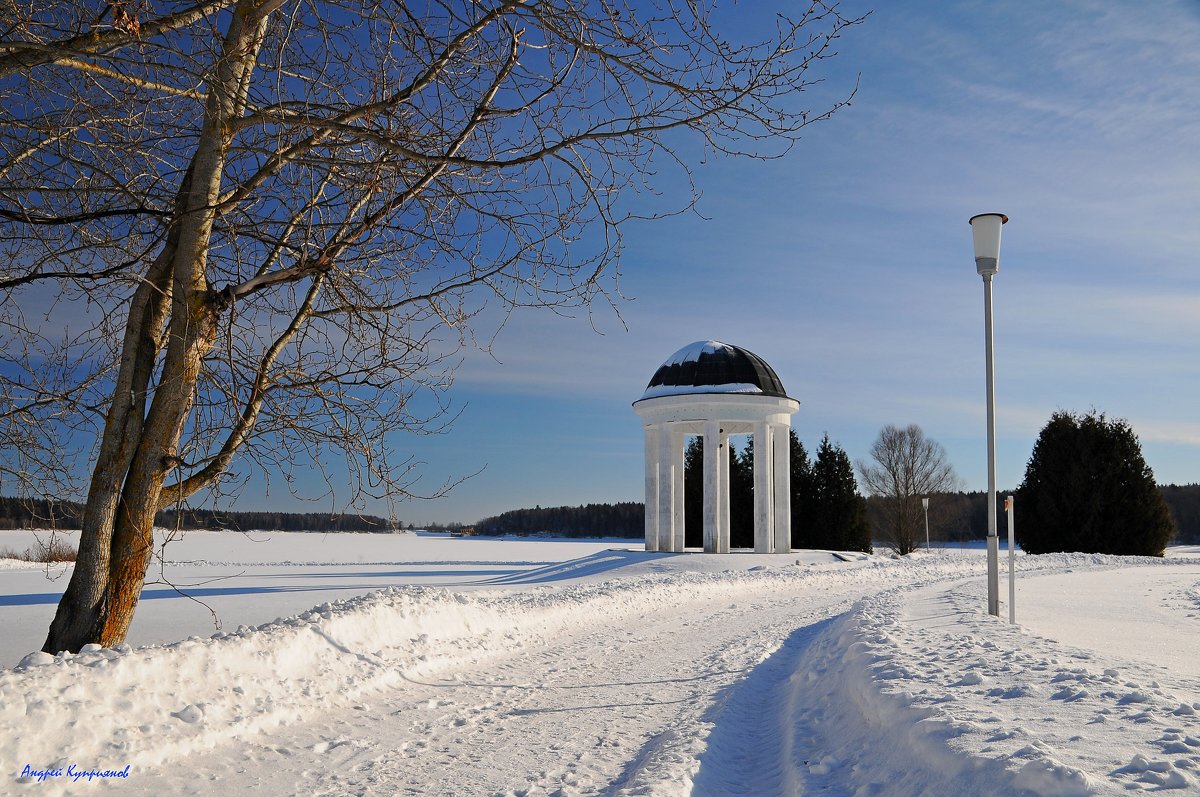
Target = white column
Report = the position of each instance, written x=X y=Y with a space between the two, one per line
x=712 y=485
x=763 y=482
x=723 y=512
x=651 y=488
x=666 y=488
x=783 y=488
x=677 y=439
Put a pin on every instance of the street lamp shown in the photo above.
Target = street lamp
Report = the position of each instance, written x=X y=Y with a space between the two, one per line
x=925 y=503
x=985 y=230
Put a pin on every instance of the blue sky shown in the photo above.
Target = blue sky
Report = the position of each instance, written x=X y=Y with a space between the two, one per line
x=847 y=265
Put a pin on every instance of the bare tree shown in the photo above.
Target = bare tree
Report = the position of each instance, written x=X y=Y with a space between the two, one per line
x=272 y=223
x=907 y=467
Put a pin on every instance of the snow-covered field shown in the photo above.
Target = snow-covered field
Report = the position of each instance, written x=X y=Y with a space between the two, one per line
x=410 y=664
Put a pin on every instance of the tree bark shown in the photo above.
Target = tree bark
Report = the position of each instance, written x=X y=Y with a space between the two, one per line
x=133 y=531
x=75 y=621
x=117 y=538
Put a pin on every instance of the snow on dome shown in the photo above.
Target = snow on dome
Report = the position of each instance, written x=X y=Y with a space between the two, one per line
x=709 y=366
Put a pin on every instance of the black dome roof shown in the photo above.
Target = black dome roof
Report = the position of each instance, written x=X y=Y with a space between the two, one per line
x=709 y=366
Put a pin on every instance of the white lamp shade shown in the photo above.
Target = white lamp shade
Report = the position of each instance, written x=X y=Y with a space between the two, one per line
x=985 y=230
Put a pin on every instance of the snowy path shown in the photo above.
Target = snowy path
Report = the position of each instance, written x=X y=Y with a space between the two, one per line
x=851 y=679
x=616 y=706
x=916 y=691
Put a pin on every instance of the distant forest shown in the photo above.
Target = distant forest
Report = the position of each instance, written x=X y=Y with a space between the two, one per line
x=626 y=519
x=1184 y=503
x=953 y=517
x=20 y=513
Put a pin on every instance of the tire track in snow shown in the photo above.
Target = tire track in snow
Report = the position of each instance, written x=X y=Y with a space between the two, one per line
x=754 y=749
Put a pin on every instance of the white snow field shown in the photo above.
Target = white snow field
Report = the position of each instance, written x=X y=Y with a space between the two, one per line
x=435 y=666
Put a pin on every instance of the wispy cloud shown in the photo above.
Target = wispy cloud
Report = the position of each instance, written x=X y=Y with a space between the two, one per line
x=1157 y=431
x=847 y=265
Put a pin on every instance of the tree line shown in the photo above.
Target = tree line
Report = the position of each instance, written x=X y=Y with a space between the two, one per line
x=625 y=519
x=954 y=517
x=19 y=513
x=1183 y=501
x=1086 y=488
x=827 y=510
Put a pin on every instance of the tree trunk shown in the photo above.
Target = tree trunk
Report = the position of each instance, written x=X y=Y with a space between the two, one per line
x=74 y=623
x=156 y=455
x=117 y=538
x=135 y=457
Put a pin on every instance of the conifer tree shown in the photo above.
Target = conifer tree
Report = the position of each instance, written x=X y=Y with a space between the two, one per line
x=693 y=493
x=1087 y=488
x=802 y=494
x=741 y=496
x=838 y=510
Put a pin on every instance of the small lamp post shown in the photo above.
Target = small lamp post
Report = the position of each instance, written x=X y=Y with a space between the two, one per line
x=985 y=231
x=1012 y=564
x=925 y=504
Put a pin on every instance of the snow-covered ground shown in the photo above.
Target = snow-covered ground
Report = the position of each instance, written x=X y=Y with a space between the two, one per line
x=410 y=664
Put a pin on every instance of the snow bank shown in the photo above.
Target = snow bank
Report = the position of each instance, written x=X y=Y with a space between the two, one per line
x=156 y=703
x=148 y=706
x=969 y=704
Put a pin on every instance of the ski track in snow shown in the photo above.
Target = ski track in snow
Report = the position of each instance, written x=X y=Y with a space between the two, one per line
x=876 y=678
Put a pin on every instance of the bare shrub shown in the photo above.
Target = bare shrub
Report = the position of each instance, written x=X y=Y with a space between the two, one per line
x=44 y=551
x=54 y=549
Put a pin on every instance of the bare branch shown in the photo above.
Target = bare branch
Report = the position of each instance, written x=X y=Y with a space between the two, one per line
x=279 y=222
x=19 y=56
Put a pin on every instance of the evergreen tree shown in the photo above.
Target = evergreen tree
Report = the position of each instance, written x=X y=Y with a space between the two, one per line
x=693 y=493
x=741 y=496
x=1087 y=488
x=838 y=511
x=803 y=529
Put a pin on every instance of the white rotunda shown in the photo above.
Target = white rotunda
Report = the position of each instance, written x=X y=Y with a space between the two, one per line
x=716 y=390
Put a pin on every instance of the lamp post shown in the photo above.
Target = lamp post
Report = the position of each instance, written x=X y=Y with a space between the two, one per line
x=985 y=231
x=925 y=503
